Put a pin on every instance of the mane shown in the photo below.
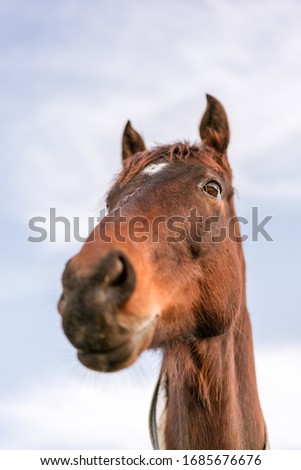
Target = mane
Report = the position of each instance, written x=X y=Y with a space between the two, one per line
x=178 y=151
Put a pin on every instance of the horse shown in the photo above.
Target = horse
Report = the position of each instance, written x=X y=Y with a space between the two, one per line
x=164 y=269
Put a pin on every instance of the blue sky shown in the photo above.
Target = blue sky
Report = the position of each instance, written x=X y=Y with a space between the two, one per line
x=72 y=73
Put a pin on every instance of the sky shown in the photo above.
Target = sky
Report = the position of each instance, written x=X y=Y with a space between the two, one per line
x=72 y=73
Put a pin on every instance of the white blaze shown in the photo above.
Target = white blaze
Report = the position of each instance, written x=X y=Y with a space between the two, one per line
x=154 y=168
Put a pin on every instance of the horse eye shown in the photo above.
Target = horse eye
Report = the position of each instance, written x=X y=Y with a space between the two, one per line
x=213 y=189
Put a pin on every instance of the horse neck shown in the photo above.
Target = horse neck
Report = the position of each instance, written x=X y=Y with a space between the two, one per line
x=212 y=398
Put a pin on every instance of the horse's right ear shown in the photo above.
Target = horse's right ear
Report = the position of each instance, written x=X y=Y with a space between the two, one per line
x=132 y=142
x=214 y=127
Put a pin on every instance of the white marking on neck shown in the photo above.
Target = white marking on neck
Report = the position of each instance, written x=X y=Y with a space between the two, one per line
x=154 y=168
x=161 y=415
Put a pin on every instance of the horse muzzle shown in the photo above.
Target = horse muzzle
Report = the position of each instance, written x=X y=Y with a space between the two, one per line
x=95 y=320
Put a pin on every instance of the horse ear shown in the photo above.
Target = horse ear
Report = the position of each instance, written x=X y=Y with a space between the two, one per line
x=132 y=142
x=214 y=127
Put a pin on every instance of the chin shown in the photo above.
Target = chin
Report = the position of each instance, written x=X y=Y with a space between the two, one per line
x=120 y=356
x=106 y=362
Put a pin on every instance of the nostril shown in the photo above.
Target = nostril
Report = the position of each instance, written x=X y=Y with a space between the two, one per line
x=115 y=276
x=116 y=273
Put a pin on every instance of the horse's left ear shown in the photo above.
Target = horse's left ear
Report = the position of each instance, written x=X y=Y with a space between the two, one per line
x=132 y=142
x=214 y=127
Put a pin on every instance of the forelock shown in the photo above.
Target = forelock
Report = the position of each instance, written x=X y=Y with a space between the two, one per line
x=171 y=153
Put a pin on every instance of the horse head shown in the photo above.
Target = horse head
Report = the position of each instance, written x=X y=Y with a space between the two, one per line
x=165 y=264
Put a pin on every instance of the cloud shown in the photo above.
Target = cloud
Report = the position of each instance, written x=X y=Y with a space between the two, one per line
x=111 y=412
x=81 y=85
x=279 y=381
x=90 y=411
